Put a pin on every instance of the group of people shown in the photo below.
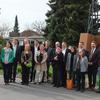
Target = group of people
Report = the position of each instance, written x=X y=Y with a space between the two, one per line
x=68 y=63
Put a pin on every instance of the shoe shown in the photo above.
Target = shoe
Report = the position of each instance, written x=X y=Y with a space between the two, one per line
x=10 y=81
x=57 y=86
x=77 y=89
x=34 y=83
x=40 y=83
x=6 y=83
x=82 y=90
x=14 y=81
x=22 y=83
x=54 y=85
x=26 y=84
x=98 y=91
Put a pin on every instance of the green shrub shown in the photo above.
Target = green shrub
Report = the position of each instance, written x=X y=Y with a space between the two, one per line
x=19 y=68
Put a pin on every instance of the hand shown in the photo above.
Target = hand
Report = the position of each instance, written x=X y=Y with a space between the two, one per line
x=55 y=58
x=6 y=62
x=25 y=63
x=37 y=62
x=90 y=63
x=40 y=63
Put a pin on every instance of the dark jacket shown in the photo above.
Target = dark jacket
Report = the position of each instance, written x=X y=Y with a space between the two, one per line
x=94 y=59
x=59 y=63
x=17 y=55
x=65 y=57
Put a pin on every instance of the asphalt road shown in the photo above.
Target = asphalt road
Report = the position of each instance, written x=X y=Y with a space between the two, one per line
x=42 y=92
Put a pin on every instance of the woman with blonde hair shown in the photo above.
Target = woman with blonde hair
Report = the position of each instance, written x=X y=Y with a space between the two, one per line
x=26 y=62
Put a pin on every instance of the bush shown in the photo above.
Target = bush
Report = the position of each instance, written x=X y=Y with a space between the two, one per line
x=19 y=68
x=0 y=66
x=2 y=41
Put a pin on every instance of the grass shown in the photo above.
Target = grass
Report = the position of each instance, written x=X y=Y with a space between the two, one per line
x=1 y=71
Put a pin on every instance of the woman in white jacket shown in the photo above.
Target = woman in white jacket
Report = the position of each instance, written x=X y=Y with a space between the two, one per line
x=40 y=66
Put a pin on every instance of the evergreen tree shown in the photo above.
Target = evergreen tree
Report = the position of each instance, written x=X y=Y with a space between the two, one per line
x=67 y=19
x=16 y=28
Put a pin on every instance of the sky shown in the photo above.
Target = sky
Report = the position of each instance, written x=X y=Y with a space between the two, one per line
x=27 y=11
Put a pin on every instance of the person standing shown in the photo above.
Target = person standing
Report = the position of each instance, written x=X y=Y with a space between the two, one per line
x=34 y=49
x=15 y=45
x=21 y=48
x=92 y=69
x=33 y=62
x=26 y=62
x=40 y=65
x=81 y=47
x=57 y=44
x=49 y=51
x=65 y=52
x=70 y=64
x=7 y=56
x=98 y=70
x=58 y=60
x=81 y=69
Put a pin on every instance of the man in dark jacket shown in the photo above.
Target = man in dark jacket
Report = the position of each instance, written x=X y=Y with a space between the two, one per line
x=65 y=52
x=98 y=62
x=49 y=51
x=15 y=45
x=92 y=68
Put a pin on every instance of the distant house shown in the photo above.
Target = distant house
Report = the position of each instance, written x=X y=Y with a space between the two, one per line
x=31 y=35
x=13 y=34
x=28 y=33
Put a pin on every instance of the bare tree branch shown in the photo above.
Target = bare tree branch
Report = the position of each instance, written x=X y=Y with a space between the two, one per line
x=4 y=30
x=38 y=26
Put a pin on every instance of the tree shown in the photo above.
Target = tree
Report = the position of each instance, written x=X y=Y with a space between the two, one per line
x=66 y=20
x=38 y=26
x=16 y=28
x=2 y=42
x=4 y=30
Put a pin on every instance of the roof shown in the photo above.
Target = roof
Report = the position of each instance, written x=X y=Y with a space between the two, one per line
x=28 y=33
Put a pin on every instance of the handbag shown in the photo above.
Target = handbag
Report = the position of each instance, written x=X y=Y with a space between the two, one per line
x=69 y=83
x=50 y=71
x=29 y=65
x=19 y=68
x=98 y=77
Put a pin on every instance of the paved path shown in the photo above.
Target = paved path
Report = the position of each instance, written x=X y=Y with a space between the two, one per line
x=42 y=92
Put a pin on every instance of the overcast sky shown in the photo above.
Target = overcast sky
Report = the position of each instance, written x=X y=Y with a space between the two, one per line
x=27 y=11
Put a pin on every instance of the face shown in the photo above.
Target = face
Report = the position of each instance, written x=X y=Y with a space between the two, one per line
x=58 y=50
x=36 y=43
x=46 y=44
x=93 y=45
x=41 y=47
x=80 y=53
x=14 y=41
x=26 y=41
x=72 y=49
x=63 y=45
x=8 y=45
x=81 y=45
x=57 y=44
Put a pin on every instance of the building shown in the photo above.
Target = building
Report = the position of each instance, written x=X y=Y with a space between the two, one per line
x=30 y=34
